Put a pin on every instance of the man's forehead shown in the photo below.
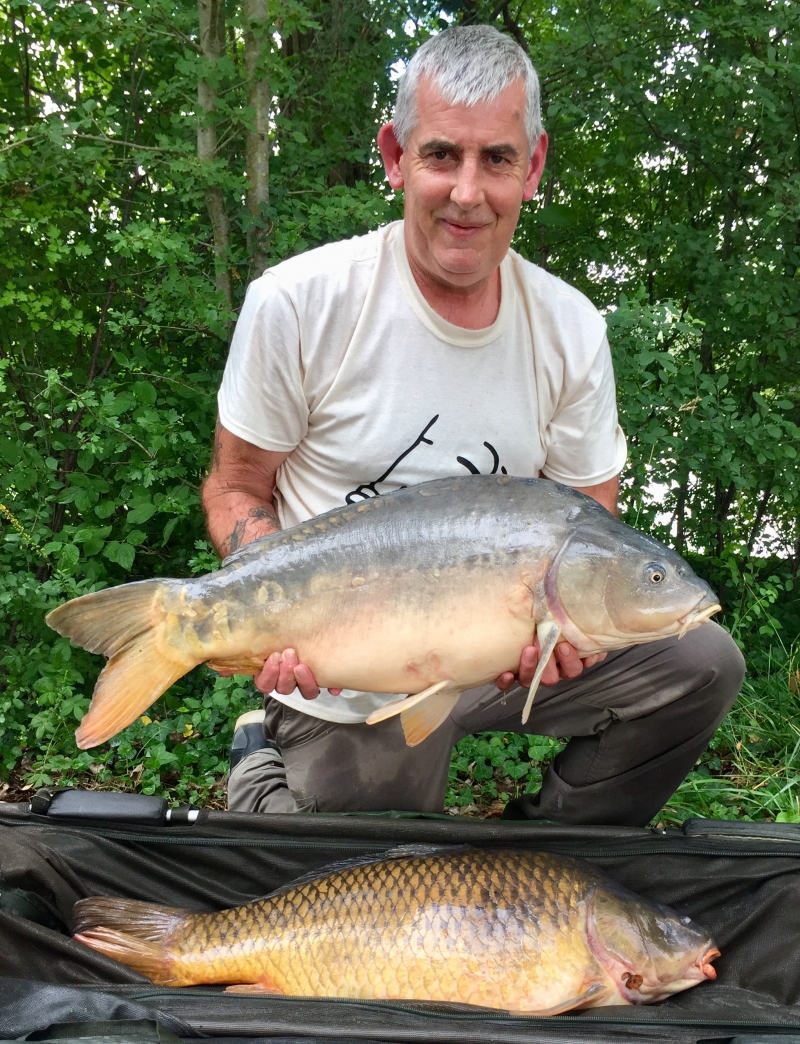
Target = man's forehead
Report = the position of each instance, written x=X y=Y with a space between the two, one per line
x=492 y=125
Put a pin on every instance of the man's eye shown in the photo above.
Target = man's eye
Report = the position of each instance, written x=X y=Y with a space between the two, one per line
x=441 y=154
x=496 y=159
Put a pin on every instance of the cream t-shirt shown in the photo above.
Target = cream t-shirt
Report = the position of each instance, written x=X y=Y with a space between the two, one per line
x=338 y=360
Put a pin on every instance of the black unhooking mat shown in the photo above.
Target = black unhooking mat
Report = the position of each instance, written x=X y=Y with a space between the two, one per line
x=740 y=881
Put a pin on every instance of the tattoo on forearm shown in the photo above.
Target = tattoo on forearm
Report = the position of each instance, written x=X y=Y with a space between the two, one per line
x=235 y=539
x=260 y=513
x=257 y=514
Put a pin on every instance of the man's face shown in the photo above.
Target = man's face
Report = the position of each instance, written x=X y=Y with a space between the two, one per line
x=465 y=172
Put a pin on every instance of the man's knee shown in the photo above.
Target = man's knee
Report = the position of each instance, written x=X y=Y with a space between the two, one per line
x=711 y=654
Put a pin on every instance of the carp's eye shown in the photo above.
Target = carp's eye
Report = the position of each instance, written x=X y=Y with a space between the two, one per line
x=655 y=573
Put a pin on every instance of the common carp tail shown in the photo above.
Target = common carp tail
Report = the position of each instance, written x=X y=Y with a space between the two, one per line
x=131 y=932
x=126 y=624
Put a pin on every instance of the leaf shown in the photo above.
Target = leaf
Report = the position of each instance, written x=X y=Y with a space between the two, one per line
x=145 y=392
x=122 y=554
x=141 y=513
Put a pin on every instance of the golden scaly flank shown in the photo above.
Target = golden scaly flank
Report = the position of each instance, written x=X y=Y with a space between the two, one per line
x=411 y=928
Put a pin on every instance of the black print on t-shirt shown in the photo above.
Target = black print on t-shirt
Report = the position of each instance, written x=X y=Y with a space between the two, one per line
x=477 y=471
x=370 y=489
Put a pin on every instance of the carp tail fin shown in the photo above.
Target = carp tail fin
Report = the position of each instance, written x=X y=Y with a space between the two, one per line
x=422 y=713
x=124 y=623
x=133 y=933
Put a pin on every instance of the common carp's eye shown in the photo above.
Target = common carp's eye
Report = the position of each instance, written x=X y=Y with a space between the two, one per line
x=655 y=573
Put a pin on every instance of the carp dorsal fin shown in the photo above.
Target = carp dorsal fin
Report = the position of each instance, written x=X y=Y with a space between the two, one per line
x=548 y=632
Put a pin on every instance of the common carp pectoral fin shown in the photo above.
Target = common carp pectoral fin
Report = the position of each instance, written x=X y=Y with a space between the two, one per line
x=591 y=997
x=423 y=719
x=400 y=706
x=548 y=632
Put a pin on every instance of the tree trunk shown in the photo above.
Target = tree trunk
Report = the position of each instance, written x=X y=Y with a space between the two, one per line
x=256 y=50
x=212 y=43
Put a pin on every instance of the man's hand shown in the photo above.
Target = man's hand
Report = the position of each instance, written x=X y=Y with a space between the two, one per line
x=283 y=672
x=565 y=663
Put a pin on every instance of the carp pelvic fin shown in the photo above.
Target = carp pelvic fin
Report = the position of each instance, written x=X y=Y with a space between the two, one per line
x=548 y=632
x=421 y=714
x=123 y=623
x=592 y=997
x=420 y=721
x=130 y=932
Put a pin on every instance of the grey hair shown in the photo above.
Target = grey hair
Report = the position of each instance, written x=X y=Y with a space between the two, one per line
x=468 y=64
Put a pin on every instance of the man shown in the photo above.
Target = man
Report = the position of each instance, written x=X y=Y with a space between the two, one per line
x=429 y=349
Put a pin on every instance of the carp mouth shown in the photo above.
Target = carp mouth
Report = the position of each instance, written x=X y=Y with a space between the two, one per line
x=702 y=611
x=647 y=989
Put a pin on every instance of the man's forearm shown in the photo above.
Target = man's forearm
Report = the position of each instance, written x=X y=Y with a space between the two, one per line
x=235 y=518
x=237 y=495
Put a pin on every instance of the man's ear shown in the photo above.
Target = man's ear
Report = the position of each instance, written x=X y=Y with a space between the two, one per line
x=536 y=168
x=391 y=154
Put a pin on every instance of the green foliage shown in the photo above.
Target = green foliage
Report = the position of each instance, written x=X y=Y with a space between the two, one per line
x=671 y=197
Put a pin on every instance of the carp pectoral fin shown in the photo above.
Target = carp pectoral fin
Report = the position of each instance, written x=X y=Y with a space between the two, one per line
x=548 y=632
x=591 y=997
x=420 y=721
x=264 y=985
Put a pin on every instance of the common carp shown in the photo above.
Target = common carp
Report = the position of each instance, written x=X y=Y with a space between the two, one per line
x=527 y=932
x=428 y=590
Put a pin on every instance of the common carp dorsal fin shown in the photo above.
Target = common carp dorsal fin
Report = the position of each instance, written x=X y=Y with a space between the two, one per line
x=422 y=713
x=548 y=632
x=123 y=623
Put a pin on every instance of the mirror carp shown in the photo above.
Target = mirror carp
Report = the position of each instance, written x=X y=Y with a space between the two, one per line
x=529 y=932
x=426 y=591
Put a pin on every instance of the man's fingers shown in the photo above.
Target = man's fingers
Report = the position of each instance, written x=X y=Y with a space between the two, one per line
x=569 y=663
x=306 y=682
x=528 y=662
x=505 y=681
x=267 y=679
x=286 y=681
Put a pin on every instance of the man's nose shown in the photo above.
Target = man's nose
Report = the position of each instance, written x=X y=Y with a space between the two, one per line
x=467 y=192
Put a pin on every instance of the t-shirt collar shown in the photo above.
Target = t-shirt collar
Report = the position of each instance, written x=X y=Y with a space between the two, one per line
x=449 y=332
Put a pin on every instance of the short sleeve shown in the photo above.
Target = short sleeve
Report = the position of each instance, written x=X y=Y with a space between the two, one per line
x=584 y=442
x=261 y=398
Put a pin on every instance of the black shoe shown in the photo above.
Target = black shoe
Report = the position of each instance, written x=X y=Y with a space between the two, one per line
x=248 y=737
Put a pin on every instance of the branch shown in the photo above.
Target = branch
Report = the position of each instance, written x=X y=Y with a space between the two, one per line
x=212 y=43
x=256 y=46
